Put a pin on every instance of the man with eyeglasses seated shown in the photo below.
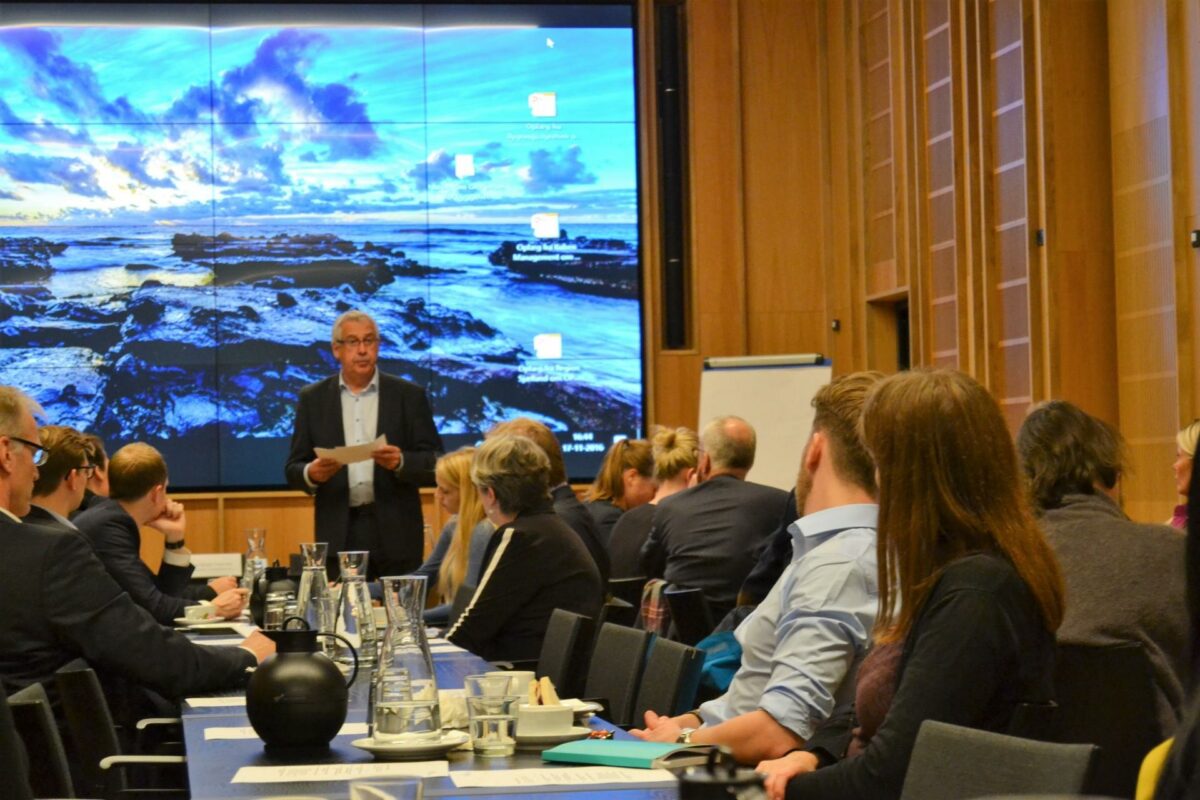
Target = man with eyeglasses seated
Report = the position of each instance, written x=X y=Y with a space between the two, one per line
x=58 y=603
x=137 y=477
x=374 y=504
x=62 y=478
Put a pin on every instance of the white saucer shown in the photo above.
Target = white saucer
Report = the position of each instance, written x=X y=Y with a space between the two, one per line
x=404 y=751
x=582 y=708
x=549 y=740
x=192 y=623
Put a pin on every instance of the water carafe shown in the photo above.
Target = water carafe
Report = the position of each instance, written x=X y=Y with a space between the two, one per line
x=356 y=618
x=312 y=579
x=404 y=696
x=255 y=561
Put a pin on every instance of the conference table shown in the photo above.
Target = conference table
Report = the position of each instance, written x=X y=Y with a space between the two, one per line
x=213 y=763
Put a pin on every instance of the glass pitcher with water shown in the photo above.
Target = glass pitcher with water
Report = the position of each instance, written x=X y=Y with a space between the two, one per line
x=314 y=601
x=404 y=694
x=355 y=617
x=255 y=562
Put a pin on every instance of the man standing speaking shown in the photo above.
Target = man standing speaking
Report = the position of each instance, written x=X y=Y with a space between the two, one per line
x=372 y=504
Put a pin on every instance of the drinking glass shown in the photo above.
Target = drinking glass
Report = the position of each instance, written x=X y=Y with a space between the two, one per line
x=406 y=789
x=492 y=708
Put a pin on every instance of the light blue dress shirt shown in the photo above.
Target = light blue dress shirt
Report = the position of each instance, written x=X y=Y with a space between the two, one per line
x=360 y=420
x=802 y=644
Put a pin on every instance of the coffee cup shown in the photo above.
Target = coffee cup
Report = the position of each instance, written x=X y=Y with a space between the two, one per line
x=544 y=720
x=203 y=610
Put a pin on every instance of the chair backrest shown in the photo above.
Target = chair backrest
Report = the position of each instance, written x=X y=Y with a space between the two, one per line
x=615 y=670
x=14 y=764
x=670 y=680
x=49 y=772
x=627 y=589
x=90 y=726
x=565 y=651
x=950 y=762
x=691 y=619
x=618 y=612
x=1106 y=697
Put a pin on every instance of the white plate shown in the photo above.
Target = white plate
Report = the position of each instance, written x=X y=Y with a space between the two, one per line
x=549 y=740
x=403 y=751
x=192 y=623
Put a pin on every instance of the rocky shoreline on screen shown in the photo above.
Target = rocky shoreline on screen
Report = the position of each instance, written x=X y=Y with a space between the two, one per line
x=604 y=267
x=26 y=258
x=143 y=360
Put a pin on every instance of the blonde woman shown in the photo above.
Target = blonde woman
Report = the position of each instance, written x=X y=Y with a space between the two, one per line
x=625 y=481
x=676 y=453
x=456 y=559
x=1185 y=453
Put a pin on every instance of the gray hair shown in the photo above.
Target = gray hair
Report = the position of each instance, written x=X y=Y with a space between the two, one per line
x=730 y=443
x=516 y=469
x=13 y=405
x=354 y=315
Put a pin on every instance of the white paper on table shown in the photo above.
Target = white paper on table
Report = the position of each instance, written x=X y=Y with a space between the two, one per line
x=350 y=454
x=216 y=702
x=218 y=642
x=571 y=776
x=342 y=772
x=446 y=648
x=247 y=732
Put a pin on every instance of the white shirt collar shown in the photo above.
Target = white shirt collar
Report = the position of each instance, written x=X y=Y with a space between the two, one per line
x=372 y=385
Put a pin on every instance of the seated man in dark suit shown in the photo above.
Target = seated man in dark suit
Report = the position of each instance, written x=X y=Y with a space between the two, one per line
x=137 y=477
x=710 y=536
x=97 y=483
x=566 y=504
x=61 y=480
x=58 y=603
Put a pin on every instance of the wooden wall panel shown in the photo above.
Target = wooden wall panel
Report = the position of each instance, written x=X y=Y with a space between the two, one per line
x=1143 y=250
x=876 y=37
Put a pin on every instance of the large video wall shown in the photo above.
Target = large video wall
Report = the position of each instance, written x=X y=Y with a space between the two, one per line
x=190 y=195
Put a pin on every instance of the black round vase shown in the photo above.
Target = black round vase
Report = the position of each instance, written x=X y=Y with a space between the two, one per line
x=299 y=697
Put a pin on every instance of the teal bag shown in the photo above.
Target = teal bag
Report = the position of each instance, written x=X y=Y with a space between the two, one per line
x=722 y=657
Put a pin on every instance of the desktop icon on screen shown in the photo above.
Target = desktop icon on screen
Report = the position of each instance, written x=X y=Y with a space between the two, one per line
x=464 y=165
x=543 y=104
x=547 y=345
x=545 y=225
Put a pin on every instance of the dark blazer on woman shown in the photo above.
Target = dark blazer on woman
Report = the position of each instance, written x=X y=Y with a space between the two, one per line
x=977 y=649
x=533 y=565
x=116 y=539
x=405 y=418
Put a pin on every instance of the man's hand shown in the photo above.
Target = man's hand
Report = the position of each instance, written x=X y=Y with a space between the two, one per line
x=224 y=584
x=260 y=645
x=387 y=456
x=663 y=728
x=229 y=603
x=171 y=522
x=323 y=469
x=778 y=771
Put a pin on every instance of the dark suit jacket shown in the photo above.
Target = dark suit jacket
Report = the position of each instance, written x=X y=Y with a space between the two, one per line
x=605 y=514
x=578 y=519
x=532 y=566
x=44 y=519
x=710 y=536
x=407 y=421
x=58 y=603
x=117 y=541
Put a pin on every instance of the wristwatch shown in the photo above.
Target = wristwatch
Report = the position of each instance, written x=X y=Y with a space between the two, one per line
x=174 y=545
x=685 y=735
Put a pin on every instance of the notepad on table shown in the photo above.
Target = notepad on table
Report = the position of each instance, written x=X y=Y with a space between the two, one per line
x=637 y=754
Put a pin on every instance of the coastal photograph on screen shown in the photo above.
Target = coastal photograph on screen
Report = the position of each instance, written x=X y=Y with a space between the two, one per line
x=191 y=195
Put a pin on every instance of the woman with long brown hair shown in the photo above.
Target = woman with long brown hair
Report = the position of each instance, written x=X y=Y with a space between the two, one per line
x=625 y=481
x=970 y=592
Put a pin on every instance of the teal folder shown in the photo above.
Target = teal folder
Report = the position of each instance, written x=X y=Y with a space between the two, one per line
x=637 y=754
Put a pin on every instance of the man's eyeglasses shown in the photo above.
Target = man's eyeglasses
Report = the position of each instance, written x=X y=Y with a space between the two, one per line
x=39 y=452
x=86 y=470
x=353 y=342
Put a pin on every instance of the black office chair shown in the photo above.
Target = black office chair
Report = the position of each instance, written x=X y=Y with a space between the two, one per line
x=950 y=762
x=565 y=651
x=670 y=681
x=628 y=589
x=1106 y=697
x=691 y=618
x=49 y=772
x=615 y=670
x=14 y=763
x=104 y=768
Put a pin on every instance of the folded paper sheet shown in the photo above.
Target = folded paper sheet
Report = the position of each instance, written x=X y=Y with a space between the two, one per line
x=342 y=772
